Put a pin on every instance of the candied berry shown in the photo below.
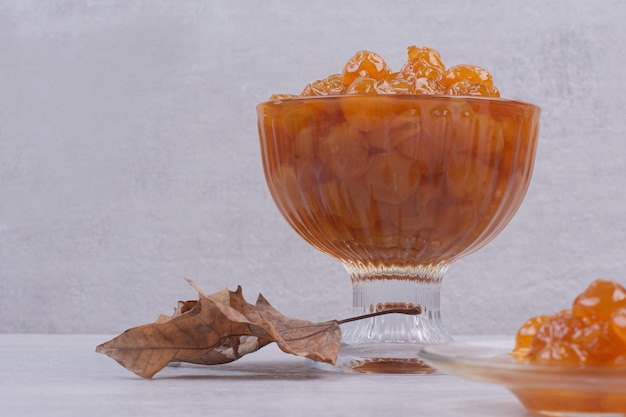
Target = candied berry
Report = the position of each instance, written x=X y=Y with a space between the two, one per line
x=618 y=322
x=331 y=85
x=527 y=332
x=555 y=340
x=365 y=64
x=468 y=180
x=335 y=83
x=431 y=73
x=363 y=85
x=425 y=86
x=599 y=300
x=401 y=82
x=468 y=88
x=344 y=150
x=392 y=178
x=563 y=353
x=425 y=63
x=599 y=343
x=469 y=80
x=422 y=57
x=471 y=73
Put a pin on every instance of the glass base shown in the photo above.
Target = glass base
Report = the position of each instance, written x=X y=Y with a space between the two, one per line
x=388 y=358
x=389 y=343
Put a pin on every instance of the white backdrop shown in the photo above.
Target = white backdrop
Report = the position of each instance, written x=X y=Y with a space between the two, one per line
x=129 y=156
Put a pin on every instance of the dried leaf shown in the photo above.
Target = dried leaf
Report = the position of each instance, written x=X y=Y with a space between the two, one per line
x=219 y=328
x=183 y=307
x=317 y=341
x=223 y=327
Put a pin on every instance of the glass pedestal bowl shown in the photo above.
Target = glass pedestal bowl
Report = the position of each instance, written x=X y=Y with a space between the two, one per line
x=396 y=188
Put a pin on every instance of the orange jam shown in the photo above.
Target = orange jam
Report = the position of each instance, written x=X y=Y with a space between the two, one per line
x=410 y=169
x=423 y=73
x=397 y=179
x=591 y=334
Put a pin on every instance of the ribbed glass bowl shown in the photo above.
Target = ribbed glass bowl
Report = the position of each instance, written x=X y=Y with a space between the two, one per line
x=396 y=188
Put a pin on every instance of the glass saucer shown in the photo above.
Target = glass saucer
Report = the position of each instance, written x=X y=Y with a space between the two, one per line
x=543 y=389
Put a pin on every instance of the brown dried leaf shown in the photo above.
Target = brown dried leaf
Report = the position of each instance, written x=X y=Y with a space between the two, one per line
x=183 y=307
x=217 y=329
x=317 y=341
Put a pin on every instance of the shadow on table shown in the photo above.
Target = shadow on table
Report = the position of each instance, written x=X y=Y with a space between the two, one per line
x=495 y=407
x=276 y=370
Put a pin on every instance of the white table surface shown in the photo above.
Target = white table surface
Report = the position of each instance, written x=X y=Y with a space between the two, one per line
x=61 y=375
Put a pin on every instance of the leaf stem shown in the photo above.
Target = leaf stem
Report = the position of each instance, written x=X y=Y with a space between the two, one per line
x=414 y=311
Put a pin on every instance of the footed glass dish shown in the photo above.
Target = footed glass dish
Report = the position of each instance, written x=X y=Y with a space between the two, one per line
x=397 y=188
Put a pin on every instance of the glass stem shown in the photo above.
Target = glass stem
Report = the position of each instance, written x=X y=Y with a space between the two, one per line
x=393 y=288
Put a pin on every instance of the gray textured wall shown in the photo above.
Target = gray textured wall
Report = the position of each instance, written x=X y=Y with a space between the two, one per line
x=129 y=156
